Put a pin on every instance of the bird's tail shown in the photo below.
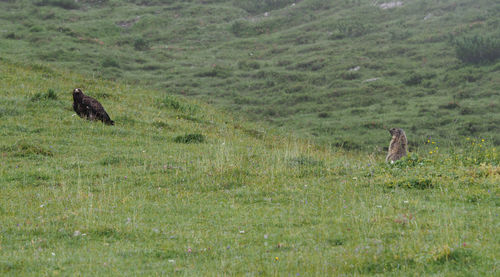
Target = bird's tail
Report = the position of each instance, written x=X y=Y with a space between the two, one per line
x=106 y=119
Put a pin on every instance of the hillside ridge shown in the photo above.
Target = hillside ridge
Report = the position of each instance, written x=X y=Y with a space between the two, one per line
x=290 y=63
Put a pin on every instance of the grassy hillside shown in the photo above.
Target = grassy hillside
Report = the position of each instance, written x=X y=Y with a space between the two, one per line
x=339 y=71
x=145 y=198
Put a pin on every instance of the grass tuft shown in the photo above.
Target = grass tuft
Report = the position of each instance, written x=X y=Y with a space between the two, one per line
x=41 y=96
x=190 y=138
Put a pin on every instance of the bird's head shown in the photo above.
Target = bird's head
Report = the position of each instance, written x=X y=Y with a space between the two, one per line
x=77 y=94
x=77 y=91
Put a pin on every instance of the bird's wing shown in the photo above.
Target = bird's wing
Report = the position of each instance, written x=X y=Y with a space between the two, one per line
x=96 y=108
x=91 y=103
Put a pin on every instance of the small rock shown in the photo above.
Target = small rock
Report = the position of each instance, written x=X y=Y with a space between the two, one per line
x=391 y=5
x=370 y=80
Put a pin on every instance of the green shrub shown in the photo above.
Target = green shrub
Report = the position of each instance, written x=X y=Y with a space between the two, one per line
x=348 y=145
x=260 y=6
x=12 y=35
x=216 y=71
x=412 y=183
x=450 y=106
x=477 y=49
x=304 y=161
x=351 y=29
x=350 y=75
x=49 y=95
x=248 y=65
x=190 y=138
x=141 y=44
x=36 y=29
x=410 y=160
x=65 y=4
x=172 y=102
x=245 y=29
x=323 y=115
x=466 y=111
x=110 y=62
x=416 y=78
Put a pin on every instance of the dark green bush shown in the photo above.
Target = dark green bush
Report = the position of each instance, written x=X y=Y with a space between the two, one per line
x=141 y=44
x=412 y=183
x=477 y=49
x=260 y=6
x=351 y=29
x=411 y=160
x=248 y=65
x=245 y=29
x=450 y=106
x=36 y=29
x=12 y=35
x=49 y=95
x=110 y=62
x=416 y=78
x=323 y=115
x=466 y=111
x=190 y=138
x=350 y=75
x=216 y=71
x=95 y=2
x=304 y=161
x=172 y=102
x=65 y=4
x=347 y=145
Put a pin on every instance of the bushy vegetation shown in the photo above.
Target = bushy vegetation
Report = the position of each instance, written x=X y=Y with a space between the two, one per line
x=65 y=4
x=478 y=49
x=190 y=138
x=49 y=95
x=141 y=44
x=81 y=197
x=261 y=6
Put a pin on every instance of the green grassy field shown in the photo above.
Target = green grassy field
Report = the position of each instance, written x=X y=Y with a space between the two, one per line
x=145 y=198
x=341 y=72
x=189 y=183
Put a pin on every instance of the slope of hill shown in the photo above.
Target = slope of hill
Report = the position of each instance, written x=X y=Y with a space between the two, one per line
x=176 y=187
x=340 y=71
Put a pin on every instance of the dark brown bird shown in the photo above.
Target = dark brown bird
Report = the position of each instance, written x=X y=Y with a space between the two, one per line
x=89 y=108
